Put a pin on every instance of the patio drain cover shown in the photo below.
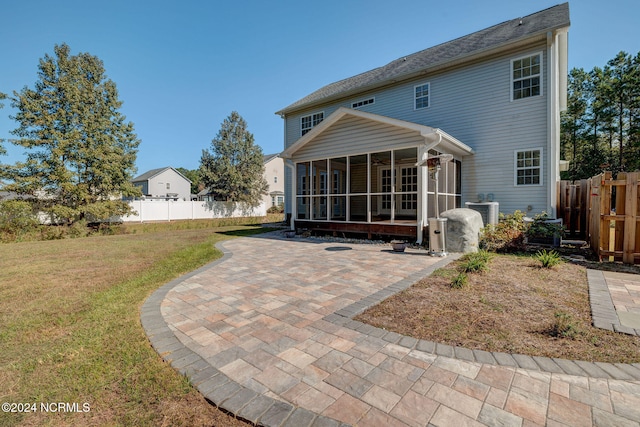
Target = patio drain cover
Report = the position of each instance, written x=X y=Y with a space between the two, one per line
x=338 y=248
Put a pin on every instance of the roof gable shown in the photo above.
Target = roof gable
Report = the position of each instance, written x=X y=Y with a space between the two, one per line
x=483 y=42
x=435 y=135
x=154 y=172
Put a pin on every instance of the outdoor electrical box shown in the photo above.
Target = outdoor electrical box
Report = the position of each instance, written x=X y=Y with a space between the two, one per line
x=437 y=236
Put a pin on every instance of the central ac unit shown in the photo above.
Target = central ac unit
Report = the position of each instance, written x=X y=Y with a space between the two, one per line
x=488 y=210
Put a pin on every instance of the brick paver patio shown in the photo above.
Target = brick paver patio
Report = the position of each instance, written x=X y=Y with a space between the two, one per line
x=267 y=333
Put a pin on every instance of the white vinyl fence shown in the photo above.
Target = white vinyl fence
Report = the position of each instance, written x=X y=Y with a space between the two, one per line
x=163 y=210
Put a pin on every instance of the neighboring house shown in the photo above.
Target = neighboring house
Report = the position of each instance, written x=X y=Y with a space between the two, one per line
x=164 y=183
x=274 y=174
x=357 y=150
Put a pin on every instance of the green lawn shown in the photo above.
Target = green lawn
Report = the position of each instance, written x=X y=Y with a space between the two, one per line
x=70 y=329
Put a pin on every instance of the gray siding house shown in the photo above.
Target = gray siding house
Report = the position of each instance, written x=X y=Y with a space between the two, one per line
x=483 y=110
x=164 y=183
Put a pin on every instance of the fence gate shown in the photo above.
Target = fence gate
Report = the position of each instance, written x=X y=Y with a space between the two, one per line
x=615 y=217
x=573 y=207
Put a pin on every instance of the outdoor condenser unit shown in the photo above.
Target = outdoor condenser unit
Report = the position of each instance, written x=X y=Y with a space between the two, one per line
x=488 y=210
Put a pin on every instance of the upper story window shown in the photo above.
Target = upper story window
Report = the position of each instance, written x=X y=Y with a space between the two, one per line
x=275 y=179
x=363 y=102
x=421 y=96
x=526 y=76
x=309 y=122
x=529 y=167
x=168 y=186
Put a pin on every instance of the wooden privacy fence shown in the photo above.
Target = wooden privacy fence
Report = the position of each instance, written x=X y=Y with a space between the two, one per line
x=614 y=219
x=573 y=207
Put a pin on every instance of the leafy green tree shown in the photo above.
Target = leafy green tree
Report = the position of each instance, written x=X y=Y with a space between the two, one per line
x=81 y=152
x=601 y=127
x=233 y=169
x=194 y=176
x=572 y=120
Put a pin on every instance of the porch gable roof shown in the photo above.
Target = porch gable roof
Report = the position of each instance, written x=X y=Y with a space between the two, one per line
x=433 y=137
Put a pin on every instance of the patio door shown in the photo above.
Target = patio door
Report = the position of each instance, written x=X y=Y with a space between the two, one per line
x=406 y=192
x=408 y=189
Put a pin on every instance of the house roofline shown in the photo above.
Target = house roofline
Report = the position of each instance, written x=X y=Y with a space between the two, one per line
x=157 y=172
x=506 y=46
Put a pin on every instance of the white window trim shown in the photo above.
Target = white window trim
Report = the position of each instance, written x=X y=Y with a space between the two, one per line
x=428 y=96
x=302 y=130
x=541 y=75
x=515 y=167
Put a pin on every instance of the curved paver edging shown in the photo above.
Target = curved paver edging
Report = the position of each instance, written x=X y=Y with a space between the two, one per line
x=263 y=410
x=603 y=312
x=214 y=385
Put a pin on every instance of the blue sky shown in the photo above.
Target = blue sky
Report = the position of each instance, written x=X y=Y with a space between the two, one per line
x=182 y=66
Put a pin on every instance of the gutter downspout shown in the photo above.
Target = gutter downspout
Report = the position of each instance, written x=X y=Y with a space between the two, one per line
x=553 y=126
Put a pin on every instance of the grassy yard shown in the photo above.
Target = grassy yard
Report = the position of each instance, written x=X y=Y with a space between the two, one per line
x=70 y=329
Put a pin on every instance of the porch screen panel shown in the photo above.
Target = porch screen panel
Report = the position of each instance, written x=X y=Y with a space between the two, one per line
x=319 y=190
x=380 y=208
x=303 y=208
x=338 y=189
x=319 y=208
x=358 y=174
x=358 y=208
x=338 y=210
x=303 y=187
x=338 y=168
x=303 y=190
x=320 y=177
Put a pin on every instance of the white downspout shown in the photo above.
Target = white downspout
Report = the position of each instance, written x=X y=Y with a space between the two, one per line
x=553 y=127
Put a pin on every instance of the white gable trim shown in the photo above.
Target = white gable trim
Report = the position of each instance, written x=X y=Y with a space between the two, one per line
x=430 y=134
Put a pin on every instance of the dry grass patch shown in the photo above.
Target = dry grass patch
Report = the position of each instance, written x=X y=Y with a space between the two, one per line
x=70 y=328
x=515 y=306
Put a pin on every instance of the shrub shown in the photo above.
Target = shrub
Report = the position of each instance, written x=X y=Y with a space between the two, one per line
x=548 y=259
x=564 y=326
x=16 y=219
x=276 y=209
x=52 y=232
x=506 y=236
x=476 y=262
x=540 y=228
x=79 y=229
x=460 y=280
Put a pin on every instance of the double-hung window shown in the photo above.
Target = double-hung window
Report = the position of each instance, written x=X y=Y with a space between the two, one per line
x=526 y=76
x=421 y=93
x=309 y=122
x=528 y=167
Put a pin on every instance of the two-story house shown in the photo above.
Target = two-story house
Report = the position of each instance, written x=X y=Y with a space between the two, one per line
x=164 y=183
x=274 y=175
x=486 y=105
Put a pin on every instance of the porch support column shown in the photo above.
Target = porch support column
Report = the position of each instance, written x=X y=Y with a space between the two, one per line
x=423 y=176
x=294 y=200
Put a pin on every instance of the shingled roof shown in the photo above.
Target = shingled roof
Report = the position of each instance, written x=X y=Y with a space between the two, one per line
x=153 y=172
x=464 y=48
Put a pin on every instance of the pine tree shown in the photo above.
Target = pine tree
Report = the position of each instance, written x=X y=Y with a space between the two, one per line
x=3 y=96
x=80 y=150
x=572 y=120
x=233 y=169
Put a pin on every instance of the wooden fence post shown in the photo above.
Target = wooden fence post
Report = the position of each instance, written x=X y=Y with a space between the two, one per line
x=585 y=198
x=631 y=209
